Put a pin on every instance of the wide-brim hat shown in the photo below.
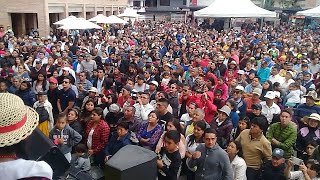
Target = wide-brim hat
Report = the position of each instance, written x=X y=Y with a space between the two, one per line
x=314 y=116
x=17 y=120
x=313 y=95
x=226 y=110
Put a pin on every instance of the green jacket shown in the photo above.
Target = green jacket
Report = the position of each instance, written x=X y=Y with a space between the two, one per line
x=287 y=136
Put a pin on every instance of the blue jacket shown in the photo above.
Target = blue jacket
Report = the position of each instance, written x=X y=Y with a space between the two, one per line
x=114 y=145
x=27 y=96
x=264 y=74
x=304 y=110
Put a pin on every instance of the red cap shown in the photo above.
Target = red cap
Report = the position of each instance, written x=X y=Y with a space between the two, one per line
x=53 y=80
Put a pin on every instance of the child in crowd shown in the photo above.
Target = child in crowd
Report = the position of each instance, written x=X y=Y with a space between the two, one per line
x=293 y=98
x=169 y=161
x=80 y=159
x=244 y=123
x=64 y=136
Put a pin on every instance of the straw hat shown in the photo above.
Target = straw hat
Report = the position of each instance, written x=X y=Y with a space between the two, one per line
x=314 y=116
x=17 y=120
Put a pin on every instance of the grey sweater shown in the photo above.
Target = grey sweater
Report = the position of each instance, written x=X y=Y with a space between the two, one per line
x=214 y=164
x=70 y=138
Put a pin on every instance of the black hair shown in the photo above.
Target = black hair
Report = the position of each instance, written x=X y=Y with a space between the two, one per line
x=312 y=143
x=287 y=111
x=164 y=100
x=261 y=122
x=176 y=123
x=202 y=125
x=124 y=125
x=62 y=116
x=99 y=111
x=239 y=147
x=210 y=131
x=233 y=105
x=81 y=148
x=173 y=135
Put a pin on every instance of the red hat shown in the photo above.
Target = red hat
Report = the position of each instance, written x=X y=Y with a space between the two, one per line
x=53 y=80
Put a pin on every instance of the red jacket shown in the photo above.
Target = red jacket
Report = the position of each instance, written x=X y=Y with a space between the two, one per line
x=210 y=109
x=100 y=135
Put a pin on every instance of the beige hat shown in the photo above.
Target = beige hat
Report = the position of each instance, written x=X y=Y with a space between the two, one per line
x=225 y=109
x=314 y=116
x=17 y=120
x=312 y=94
x=257 y=91
x=93 y=89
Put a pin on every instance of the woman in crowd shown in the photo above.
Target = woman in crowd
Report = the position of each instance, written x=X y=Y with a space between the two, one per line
x=233 y=114
x=238 y=164
x=87 y=111
x=192 y=142
x=22 y=72
x=74 y=122
x=308 y=133
x=309 y=171
x=41 y=84
x=96 y=136
x=26 y=94
x=44 y=109
x=173 y=124
x=150 y=132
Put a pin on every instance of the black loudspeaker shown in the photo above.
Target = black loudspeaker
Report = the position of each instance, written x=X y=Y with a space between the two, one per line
x=40 y=148
x=132 y=162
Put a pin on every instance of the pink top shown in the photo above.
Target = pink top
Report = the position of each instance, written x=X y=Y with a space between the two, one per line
x=181 y=145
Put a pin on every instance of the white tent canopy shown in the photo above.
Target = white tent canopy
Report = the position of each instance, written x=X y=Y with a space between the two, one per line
x=108 y=20
x=66 y=20
x=234 y=9
x=80 y=23
x=130 y=13
x=314 y=12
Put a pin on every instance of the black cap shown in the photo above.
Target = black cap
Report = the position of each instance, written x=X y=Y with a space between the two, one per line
x=40 y=93
x=256 y=106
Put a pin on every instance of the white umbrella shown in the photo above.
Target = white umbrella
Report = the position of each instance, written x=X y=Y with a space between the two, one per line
x=108 y=20
x=80 y=23
x=66 y=20
x=130 y=13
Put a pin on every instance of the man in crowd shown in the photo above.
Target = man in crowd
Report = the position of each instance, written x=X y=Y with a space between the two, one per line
x=210 y=159
x=143 y=107
x=66 y=97
x=255 y=146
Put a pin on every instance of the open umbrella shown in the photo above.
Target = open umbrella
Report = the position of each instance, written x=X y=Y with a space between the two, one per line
x=130 y=13
x=66 y=20
x=108 y=20
x=80 y=23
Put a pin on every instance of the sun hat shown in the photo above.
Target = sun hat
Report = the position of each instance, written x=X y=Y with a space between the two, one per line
x=241 y=72
x=240 y=88
x=312 y=94
x=270 y=95
x=314 y=116
x=17 y=120
x=93 y=89
x=154 y=83
x=225 y=109
x=257 y=91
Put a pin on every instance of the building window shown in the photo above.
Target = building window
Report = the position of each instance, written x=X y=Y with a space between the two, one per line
x=151 y=3
x=184 y=2
x=136 y=3
x=164 y=2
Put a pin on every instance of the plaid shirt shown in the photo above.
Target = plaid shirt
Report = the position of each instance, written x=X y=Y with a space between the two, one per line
x=100 y=135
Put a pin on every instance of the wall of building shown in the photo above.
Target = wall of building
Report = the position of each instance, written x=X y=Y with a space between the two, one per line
x=39 y=13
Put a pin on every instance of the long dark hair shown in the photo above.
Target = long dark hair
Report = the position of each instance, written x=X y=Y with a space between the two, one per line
x=176 y=123
x=202 y=125
x=239 y=148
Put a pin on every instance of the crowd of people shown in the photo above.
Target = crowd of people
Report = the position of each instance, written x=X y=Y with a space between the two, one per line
x=227 y=104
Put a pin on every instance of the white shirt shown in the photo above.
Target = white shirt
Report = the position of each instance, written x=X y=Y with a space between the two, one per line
x=276 y=78
x=142 y=111
x=20 y=168
x=268 y=112
x=239 y=168
x=89 y=141
x=285 y=85
x=298 y=175
x=100 y=84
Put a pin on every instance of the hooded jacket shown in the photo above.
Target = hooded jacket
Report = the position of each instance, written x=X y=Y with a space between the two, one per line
x=69 y=135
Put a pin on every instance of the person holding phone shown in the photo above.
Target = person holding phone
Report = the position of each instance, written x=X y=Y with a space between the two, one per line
x=309 y=171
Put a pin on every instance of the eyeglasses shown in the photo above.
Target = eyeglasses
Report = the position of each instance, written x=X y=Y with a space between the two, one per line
x=109 y=97
x=66 y=82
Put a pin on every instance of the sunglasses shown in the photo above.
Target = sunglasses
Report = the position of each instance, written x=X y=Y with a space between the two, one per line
x=65 y=82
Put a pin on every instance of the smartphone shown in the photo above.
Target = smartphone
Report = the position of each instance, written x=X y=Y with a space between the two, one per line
x=296 y=161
